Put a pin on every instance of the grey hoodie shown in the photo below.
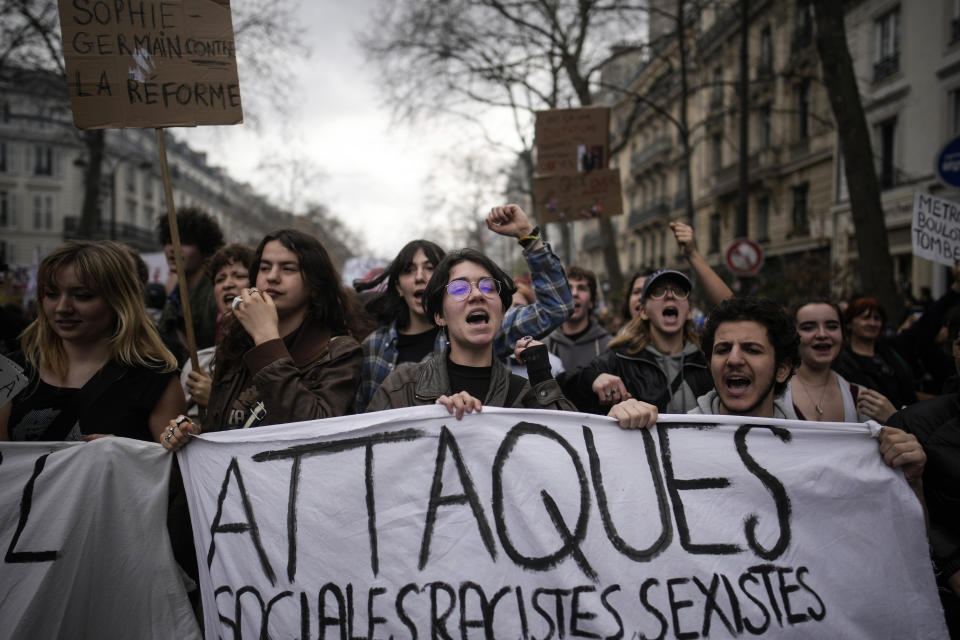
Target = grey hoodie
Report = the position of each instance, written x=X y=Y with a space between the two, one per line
x=586 y=348
x=709 y=404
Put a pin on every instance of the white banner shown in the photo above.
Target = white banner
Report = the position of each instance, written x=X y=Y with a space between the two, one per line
x=936 y=229
x=84 y=537
x=541 y=524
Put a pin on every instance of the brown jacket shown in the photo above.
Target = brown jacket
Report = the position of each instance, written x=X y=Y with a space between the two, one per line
x=422 y=383
x=317 y=377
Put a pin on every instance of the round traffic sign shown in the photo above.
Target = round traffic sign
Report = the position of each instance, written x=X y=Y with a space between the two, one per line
x=948 y=163
x=744 y=257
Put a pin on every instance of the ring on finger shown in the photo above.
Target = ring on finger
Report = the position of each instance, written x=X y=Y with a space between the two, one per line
x=180 y=420
x=170 y=430
x=167 y=437
x=253 y=291
x=236 y=302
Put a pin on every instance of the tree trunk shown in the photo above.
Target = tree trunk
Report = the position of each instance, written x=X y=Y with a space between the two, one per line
x=875 y=264
x=740 y=229
x=684 y=126
x=90 y=215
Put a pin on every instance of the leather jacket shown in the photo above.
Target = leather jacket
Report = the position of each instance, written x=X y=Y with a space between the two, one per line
x=422 y=383
x=316 y=376
x=641 y=375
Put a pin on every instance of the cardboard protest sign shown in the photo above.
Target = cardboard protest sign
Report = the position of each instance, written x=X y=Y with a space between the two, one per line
x=12 y=380
x=936 y=229
x=572 y=182
x=83 y=529
x=150 y=63
x=578 y=196
x=542 y=524
x=572 y=140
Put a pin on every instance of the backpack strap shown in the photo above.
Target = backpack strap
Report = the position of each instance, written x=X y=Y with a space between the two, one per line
x=677 y=383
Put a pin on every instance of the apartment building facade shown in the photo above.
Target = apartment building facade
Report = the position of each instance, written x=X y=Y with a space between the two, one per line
x=797 y=206
x=43 y=160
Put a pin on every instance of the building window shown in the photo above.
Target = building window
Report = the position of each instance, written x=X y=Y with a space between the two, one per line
x=886 y=59
x=131 y=211
x=886 y=133
x=663 y=248
x=843 y=193
x=43 y=211
x=131 y=178
x=801 y=222
x=37 y=212
x=716 y=150
x=714 y=233
x=4 y=161
x=803 y=26
x=716 y=98
x=764 y=123
x=6 y=210
x=955 y=22
x=763 y=219
x=43 y=161
x=765 y=62
x=954 y=111
x=803 y=109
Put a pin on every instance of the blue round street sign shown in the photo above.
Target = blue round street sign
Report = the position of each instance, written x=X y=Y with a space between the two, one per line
x=948 y=163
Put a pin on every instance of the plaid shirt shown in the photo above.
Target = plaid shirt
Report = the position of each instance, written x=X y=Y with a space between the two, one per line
x=554 y=304
x=380 y=359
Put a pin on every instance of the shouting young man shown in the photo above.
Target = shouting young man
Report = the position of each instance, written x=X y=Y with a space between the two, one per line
x=752 y=349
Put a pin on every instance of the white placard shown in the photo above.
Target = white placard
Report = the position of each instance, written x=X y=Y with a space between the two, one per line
x=83 y=530
x=936 y=229
x=12 y=379
x=542 y=524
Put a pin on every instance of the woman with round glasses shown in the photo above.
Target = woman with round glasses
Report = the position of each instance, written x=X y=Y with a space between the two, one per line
x=466 y=297
x=655 y=358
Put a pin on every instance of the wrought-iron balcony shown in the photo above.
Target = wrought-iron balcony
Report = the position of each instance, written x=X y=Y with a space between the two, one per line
x=653 y=150
x=886 y=66
x=639 y=215
x=131 y=234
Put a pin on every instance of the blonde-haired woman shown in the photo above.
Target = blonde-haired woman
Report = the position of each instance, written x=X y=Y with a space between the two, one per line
x=96 y=363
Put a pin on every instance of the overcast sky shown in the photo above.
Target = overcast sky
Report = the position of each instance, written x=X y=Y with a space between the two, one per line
x=374 y=172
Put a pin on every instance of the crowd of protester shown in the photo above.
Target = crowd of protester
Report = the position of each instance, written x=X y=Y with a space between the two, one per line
x=280 y=339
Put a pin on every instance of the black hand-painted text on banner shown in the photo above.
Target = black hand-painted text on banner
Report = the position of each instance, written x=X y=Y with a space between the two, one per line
x=545 y=524
x=143 y=63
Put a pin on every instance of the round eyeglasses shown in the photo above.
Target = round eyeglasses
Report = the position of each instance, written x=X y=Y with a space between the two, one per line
x=678 y=292
x=460 y=289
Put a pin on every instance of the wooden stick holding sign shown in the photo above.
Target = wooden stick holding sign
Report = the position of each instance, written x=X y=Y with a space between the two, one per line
x=126 y=68
x=178 y=253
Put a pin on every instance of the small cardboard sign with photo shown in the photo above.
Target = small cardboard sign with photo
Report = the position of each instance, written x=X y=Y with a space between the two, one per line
x=572 y=140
